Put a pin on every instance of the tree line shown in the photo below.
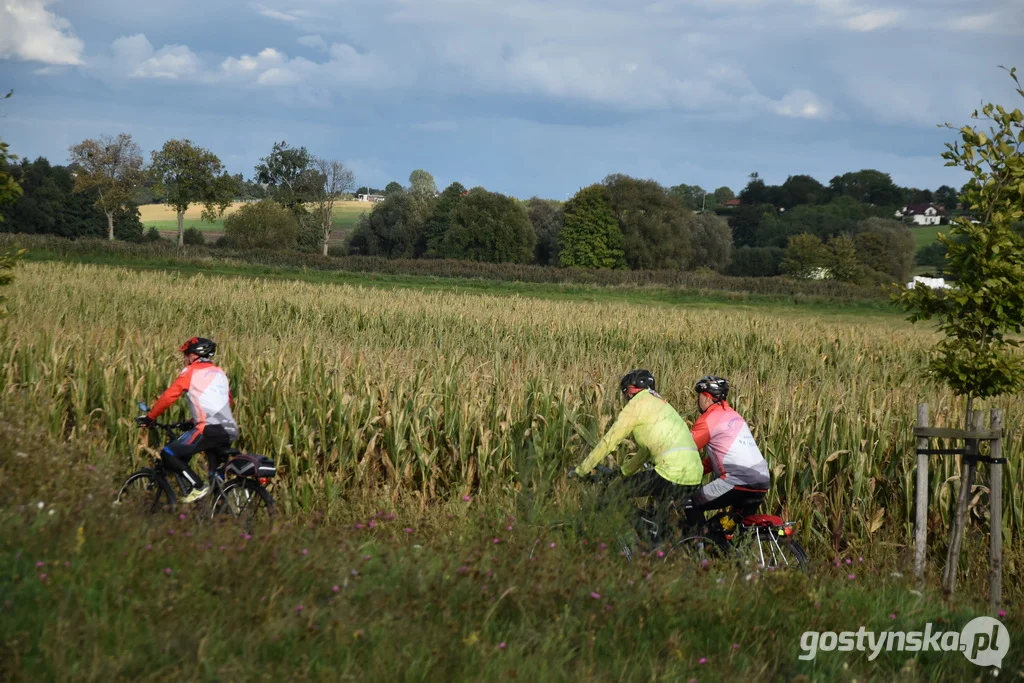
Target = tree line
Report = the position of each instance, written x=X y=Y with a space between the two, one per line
x=99 y=191
x=803 y=228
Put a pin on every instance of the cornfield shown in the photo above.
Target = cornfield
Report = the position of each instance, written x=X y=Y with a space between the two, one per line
x=438 y=394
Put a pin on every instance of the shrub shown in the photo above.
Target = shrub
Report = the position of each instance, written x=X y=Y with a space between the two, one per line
x=193 y=237
x=152 y=235
x=756 y=261
x=262 y=225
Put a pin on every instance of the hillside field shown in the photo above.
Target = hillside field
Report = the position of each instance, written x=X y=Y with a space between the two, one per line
x=423 y=435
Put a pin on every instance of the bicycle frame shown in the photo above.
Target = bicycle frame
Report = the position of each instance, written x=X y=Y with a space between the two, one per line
x=216 y=476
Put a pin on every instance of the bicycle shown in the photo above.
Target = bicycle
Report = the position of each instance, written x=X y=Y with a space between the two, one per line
x=764 y=540
x=238 y=479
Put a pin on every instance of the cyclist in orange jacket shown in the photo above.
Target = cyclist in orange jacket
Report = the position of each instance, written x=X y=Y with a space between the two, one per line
x=209 y=401
x=741 y=472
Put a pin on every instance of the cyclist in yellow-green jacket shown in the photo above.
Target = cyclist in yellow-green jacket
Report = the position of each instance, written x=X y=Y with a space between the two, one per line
x=661 y=433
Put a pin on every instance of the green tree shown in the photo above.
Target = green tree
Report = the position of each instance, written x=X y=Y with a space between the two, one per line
x=802 y=189
x=886 y=246
x=867 y=186
x=657 y=229
x=10 y=190
x=440 y=221
x=333 y=179
x=756 y=261
x=842 y=261
x=262 y=225
x=976 y=358
x=290 y=179
x=932 y=256
x=805 y=256
x=591 y=237
x=755 y=192
x=691 y=196
x=112 y=166
x=491 y=227
x=723 y=194
x=547 y=220
x=393 y=187
x=712 y=242
x=50 y=205
x=422 y=183
x=185 y=174
x=394 y=228
x=947 y=197
x=745 y=221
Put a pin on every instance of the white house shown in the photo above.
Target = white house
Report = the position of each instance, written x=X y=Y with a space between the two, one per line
x=923 y=214
x=371 y=197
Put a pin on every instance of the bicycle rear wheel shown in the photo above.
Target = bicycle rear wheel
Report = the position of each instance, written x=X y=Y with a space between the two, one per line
x=766 y=548
x=145 y=492
x=249 y=502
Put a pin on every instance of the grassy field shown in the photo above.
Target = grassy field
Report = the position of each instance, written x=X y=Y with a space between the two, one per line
x=448 y=418
x=164 y=218
x=926 y=234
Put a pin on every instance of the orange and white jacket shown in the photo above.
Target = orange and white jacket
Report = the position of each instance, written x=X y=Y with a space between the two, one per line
x=209 y=397
x=732 y=453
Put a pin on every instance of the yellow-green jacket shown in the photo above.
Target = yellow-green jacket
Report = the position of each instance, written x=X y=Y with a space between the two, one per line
x=659 y=430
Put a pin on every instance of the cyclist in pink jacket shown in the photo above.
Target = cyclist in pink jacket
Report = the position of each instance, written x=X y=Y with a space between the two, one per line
x=741 y=472
x=210 y=402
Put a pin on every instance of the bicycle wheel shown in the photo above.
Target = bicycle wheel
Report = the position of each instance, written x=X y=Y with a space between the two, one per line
x=146 y=492
x=249 y=502
x=700 y=548
x=765 y=548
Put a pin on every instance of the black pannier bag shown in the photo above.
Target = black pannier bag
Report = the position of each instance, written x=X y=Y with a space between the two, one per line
x=251 y=465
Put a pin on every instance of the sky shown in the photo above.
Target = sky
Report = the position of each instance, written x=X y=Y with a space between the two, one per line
x=523 y=97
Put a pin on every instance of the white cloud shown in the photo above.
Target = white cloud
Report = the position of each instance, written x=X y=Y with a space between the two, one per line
x=172 y=61
x=801 y=104
x=134 y=56
x=316 y=42
x=30 y=32
x=276 y=14
x=974 y=22
x=130 y=51
x=874 y=19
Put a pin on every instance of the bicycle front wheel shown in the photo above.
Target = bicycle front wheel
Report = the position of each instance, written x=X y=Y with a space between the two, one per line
x=247 y=501
x=145 y=492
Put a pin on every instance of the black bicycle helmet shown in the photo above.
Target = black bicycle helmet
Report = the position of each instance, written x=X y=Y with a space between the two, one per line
x=641 y=379
x=717 y=387
x=200 y=346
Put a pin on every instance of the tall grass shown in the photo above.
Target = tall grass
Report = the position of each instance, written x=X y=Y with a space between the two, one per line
x=430 y=396
x=463 y=590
